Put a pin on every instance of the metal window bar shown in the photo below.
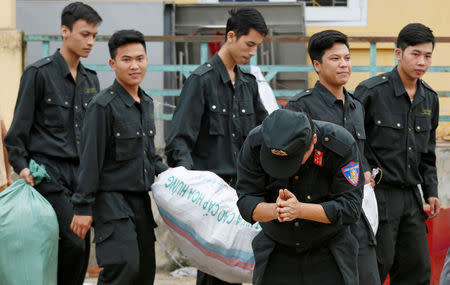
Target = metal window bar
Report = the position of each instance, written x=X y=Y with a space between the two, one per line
x=270 y=70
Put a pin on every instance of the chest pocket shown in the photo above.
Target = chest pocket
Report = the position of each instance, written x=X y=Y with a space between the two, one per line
x=360 y=132
x=247 y=117
x=388 y=132
x=422 y=128
x=217 y=119
x=57 y=111
x=128 y=141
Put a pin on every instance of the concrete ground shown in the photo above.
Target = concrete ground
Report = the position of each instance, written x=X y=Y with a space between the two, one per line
x=160 y=279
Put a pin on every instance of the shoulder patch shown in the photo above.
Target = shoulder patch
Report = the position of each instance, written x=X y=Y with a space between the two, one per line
x=202 y=69
x=427 y=86
x=351 y=173
x=376 y=80
x=42 y=62
x=104 y=97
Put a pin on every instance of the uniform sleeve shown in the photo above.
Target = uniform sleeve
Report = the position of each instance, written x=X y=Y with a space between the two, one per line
x=95 y=134
x=427 y=166
x=16 y=141
x=369 y=161
x=185 y=125
x=344 y=206
x=250 y=181
x=260 y=110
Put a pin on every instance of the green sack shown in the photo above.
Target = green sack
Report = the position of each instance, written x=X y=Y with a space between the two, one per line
x=28 y=234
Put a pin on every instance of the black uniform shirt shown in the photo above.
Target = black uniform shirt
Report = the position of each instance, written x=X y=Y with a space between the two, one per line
x=401 y=135
x=213 y=118
x=118 y=147
x=322 y=105
x=330 y=177
x=49 y=111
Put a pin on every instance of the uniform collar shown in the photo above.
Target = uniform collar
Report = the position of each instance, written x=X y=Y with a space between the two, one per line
x=329 y=98
x=399 y=89
x=220 y=67
x=64 y=68
x=125 y=96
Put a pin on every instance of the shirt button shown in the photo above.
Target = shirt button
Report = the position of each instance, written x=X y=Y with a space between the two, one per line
x=48 y=58
x=409 y=129
x=49 y=99
x=296 y=224
x=118 y=135
x=308 y=197
x=378 y=122
x=235 y=153
x=307 y=91
x=234 y=116
x=383 y=77
x=398 y=125
x=296 y=177
x=76 y=107
x=208 y=65
x=326 y=139
x=76 y=125
x=224 y=110
x=145 y=170
x=243 y=110
x=233 y=135
x=213 y=107
x=143 y=134
x=358 y=134
x=345 y=119
x=78 y=142
x=111 y=92
x=151 y=132
x=297 y=244
x=410 y=148
x=137 y=133
x=145 y=152
x=67 y=103
x=418 y=127
x=409 y=165
x=85 y=104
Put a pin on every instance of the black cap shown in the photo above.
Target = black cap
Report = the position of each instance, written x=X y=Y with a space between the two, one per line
x=287 y=135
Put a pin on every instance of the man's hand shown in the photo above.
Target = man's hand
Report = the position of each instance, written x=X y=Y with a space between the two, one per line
x=26 y=175
x=435 y=207
x=288 y=207
x=80 y=225
x=368 y=178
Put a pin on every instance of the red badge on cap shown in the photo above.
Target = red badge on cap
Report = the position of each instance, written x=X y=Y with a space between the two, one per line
x=318 y=157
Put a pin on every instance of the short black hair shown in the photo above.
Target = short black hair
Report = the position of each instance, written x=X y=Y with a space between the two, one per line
x=413 y=34
x=123 y=37
x=79 y=11
x=243 y=19
x=321 y=41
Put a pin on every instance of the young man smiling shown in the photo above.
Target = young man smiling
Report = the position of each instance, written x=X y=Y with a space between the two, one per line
x=50 y=108
x=329 y=101
x=118 y=165
x=402 y=114
x=218 y=106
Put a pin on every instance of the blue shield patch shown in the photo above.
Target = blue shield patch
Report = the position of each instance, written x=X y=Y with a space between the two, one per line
x=351 y=173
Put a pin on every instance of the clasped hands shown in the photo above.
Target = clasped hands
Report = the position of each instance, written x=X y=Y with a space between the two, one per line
x=288 y=208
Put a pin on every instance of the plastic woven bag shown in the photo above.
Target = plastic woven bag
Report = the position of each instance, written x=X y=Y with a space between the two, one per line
x=28 y=234
x=200 y=210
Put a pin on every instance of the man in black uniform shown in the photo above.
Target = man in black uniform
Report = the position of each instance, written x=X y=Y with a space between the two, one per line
x=304 y=202
x=402 y=114
x=118 y=165
x=329 y=101
x=53 y=96
x=218 y=106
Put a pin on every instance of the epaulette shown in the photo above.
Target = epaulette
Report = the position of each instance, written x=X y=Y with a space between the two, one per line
x=42 y=62
x=335 y=138
x=303 y=93
x=90 y=70
x=427 y=86
x=376 y=80
x=202 y=69
x=104 y=97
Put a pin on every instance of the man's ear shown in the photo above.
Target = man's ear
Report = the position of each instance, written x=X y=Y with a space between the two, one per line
x=398 y=53
x=112 y=63
x=230 y=36
x=317 y=65
x=65 y=31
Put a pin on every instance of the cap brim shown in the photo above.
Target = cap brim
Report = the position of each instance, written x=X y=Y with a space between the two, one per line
x=279 y=167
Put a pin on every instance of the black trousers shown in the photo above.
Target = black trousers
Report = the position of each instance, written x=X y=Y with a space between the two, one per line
x=313 y=267
x=73 y=252
x=202 y=277
x=125 y=239
x=402 y=246
x=367 y=257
